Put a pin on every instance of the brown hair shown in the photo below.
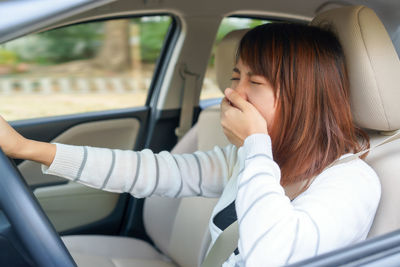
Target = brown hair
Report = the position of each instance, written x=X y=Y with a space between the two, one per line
x=313 y=124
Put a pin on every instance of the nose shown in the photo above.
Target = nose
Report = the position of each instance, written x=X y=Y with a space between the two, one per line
x=241 y=89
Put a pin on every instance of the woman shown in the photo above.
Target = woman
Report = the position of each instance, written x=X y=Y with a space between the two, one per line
x=288 y=119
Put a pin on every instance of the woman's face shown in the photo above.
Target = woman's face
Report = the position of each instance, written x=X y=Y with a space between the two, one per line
x=256 y=90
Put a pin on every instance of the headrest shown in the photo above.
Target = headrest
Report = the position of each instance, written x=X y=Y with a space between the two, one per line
x=373 y=66
x=225 y=54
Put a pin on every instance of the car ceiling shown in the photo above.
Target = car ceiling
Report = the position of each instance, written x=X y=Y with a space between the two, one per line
x=388 y=10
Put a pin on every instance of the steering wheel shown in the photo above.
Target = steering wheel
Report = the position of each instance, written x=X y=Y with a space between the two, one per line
x=28 y=220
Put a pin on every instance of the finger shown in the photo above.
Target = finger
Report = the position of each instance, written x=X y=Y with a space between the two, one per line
x=236 y=99
x=228 y=111
x=225 y=104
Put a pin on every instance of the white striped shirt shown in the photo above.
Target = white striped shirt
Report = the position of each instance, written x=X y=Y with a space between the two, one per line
x=336 y=210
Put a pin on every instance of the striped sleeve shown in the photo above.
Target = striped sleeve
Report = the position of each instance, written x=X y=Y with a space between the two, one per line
x=145 y=173
x=336 y=210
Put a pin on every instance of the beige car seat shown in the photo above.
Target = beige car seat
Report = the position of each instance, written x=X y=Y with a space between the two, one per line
x=179 y=227
x=374 y=72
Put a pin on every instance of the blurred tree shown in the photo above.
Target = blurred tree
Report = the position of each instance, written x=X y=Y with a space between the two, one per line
x=152 y=35
x=106 y=42
x=7 y=57
x=70 y=43
x=114 y=54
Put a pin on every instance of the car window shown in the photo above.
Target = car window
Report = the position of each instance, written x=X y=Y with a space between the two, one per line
x=79 y=68
x=210 y=87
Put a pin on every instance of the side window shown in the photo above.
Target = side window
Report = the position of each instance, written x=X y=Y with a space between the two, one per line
x=80 y=68
x=210 y=87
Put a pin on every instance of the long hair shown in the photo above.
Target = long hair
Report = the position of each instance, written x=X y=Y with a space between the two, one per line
x=313 y=124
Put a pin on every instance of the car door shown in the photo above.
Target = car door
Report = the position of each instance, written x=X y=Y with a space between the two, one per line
x=84 y=84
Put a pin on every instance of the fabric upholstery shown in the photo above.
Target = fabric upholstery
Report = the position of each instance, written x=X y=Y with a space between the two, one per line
x=87 y=260
x=385 y=161
x=210 y=136
x=170 y=222
x=188 y=143
x=225 y=55
x=95 y=250
x=374 y=69
x=190 y=236
x=159 y=217
x=372 y=63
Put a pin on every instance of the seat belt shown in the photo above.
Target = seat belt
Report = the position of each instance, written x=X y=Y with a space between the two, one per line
x=188 y=98
x=223 y=247
x=391 y=138
x=228 y=240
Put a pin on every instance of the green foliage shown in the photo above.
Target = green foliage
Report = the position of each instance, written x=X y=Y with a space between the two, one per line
x=152 y=35
x=83 y=41
x=256 y=22
x=71 y=43
x=8 y=57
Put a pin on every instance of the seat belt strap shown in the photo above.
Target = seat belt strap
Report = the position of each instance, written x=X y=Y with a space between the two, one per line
x=188 y=100
x=391 y=138
x=228 y=240
x=223 y=247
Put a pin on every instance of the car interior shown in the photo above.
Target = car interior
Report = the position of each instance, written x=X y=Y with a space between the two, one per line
x=107 y=229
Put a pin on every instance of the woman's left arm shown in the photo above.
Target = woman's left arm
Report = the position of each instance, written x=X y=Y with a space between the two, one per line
x=335 y=211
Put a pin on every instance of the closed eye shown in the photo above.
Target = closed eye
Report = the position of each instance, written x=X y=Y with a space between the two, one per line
x=256 y=83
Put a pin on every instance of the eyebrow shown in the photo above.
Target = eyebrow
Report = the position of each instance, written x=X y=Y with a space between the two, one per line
x=238 y=71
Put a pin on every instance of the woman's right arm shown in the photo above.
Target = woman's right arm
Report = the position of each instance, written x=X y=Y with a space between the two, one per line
x=140 y=173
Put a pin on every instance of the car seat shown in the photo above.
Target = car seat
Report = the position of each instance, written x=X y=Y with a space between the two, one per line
x=374 y=70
